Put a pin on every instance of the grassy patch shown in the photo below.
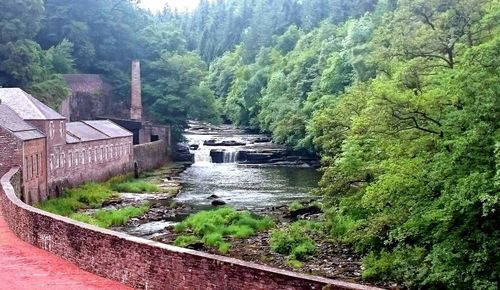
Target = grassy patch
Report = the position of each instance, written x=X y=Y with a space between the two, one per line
x=92 y=195
x=133 y=186
x=295 y=206
x=106 y=219
x=295 y=241
x=214 y=226
x=89 y=195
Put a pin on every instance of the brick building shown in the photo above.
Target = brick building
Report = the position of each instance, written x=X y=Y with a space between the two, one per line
x=53 y=153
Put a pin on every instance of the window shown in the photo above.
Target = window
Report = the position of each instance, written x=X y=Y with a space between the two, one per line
x=90 y=155
x=51 y=130
x=77 y=158
x=37 y=165
x=63 y=160
x=32 y=166
x=51 y=162
x=70 y=158
x=61 y=126
x=95 y=154
x=83 y=157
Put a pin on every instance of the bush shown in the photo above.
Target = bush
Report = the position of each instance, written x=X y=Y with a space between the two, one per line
x=295 y=241
x=295 y=206
x=212 y=227
x=183 y=241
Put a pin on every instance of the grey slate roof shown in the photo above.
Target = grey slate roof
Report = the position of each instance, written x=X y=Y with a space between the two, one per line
x=83 y=132
x=17 y=126
x=94 y=130
x=109 y=128
x=26 y=106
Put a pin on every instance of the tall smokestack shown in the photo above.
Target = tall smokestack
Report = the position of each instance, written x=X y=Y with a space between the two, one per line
x=136 y=103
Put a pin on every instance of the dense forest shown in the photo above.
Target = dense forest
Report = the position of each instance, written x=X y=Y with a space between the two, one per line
x=400 y=98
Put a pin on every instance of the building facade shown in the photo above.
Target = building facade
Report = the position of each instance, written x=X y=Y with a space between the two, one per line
x=54 y=154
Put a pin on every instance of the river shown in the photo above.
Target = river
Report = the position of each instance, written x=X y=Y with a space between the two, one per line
x=243 y=186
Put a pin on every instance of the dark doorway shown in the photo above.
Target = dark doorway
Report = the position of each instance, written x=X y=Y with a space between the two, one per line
x=155 y=138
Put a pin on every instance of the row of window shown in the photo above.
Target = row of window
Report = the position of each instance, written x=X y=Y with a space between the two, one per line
x=32 y=166
x=96 y=154
x=52 y=129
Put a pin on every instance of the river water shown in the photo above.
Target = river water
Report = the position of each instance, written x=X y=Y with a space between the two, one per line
x=240 y=185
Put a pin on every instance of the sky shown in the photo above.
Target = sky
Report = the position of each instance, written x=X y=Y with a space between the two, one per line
x=157 y=5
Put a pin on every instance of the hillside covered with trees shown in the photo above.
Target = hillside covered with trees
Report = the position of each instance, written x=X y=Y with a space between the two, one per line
x=399 y=98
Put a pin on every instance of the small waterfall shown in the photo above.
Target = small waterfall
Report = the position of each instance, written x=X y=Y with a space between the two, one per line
x=202 y=154
x=230 y=156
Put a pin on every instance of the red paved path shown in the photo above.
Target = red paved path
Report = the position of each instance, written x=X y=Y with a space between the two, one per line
x=25 y=267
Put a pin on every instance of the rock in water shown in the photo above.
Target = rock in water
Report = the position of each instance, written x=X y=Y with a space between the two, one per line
x=218 y=202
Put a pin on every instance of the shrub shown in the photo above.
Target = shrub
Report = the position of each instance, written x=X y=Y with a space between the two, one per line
x=183 y=241
x=295 y=206
x=212 y=227
x=295 y=241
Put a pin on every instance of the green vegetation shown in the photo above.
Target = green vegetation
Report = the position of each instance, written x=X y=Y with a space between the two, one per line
x=89 y=195
x=110 y=218
x=295 y=206
x=133 y=186
x=214 y=226
x=296 y=242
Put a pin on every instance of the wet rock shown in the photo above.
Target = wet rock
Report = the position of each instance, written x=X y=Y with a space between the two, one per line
x=306 y=211
x=217 y=156
x=218 y=202
x=213 y=196
x=263 y=140
x=223 y=143
x=182 y=153
x=194 y=146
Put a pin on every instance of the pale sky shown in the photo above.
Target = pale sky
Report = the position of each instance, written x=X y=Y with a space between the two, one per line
x=157 y=5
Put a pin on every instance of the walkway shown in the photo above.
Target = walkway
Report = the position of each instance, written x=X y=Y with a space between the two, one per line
x=25 y=267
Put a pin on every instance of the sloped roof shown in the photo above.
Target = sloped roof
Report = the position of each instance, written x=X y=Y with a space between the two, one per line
x=82 y=132
x=109 y=128
x=94 y=130
x=26 y=106
x=17 y=126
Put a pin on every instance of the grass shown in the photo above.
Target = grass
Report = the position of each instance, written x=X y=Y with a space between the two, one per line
x=106 y=219
x=92 y=195
x=295 y=206
x=212 y=228
x=89 y=195
x=133 y=186
x=295 y=241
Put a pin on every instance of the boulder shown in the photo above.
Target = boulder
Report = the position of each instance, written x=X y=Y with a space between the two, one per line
x=217 y=156
x=218 y=202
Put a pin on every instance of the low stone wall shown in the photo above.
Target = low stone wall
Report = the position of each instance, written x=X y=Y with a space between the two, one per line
x=150 y=155
x=141 y=263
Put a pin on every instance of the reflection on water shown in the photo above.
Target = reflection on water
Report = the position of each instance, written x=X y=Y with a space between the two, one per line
x=245 y=187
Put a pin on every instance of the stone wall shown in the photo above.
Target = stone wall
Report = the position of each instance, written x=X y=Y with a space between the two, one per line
x=150 y=155
x=140 y=263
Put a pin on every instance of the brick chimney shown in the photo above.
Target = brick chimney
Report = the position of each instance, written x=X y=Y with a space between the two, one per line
x=136 y=102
